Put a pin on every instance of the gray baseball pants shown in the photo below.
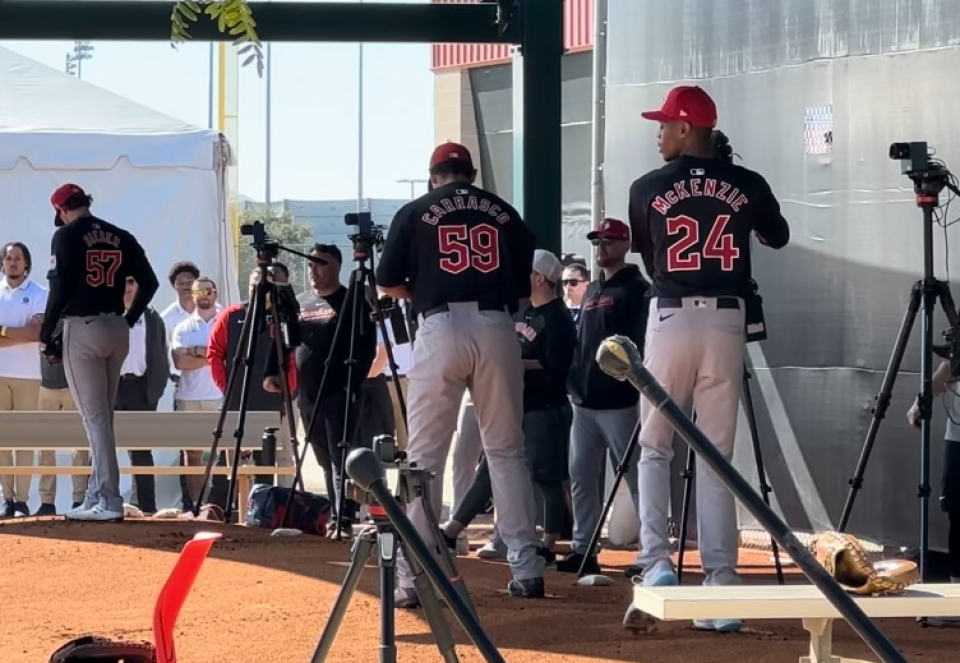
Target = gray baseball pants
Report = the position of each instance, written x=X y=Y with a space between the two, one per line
x=466 y=348
x=93 y=352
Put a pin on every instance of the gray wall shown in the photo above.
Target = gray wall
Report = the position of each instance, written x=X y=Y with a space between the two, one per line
x=834 y=298
x=493 y=101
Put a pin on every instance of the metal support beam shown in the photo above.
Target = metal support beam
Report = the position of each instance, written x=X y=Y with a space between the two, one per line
x=542 y=49
x=149 y=20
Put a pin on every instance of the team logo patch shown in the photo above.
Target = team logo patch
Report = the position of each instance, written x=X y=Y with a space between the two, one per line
x=53 y=262
x=26 y=300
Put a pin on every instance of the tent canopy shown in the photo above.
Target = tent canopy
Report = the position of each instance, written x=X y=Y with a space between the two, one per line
x=44 y=111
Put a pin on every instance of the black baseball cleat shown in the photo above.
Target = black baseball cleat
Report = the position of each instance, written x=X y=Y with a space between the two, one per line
x=549 y=557
x=531 y=588
x=22 y=508
x=571 y=564
x=9 y=509
x=46 y=510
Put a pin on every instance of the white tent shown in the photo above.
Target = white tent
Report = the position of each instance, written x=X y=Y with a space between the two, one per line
x=160 y=178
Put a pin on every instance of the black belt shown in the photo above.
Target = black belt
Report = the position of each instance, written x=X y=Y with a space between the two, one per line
x=131 y=376
x=445 y=308
x=94 y=314
x=677 y=302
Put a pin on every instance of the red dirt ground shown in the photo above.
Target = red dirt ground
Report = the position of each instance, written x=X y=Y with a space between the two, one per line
x=260 y=599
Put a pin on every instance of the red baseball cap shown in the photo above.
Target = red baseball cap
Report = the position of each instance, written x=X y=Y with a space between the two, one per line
x=450 y=151
x=686 y=103
x=61 y=195
x=614 y=229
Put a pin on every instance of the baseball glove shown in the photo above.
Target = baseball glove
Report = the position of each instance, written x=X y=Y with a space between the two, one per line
x=96 y=649
x=845 y=559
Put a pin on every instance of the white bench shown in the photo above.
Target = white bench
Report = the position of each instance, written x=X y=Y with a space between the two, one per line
x=192 y=431
x=804 y=602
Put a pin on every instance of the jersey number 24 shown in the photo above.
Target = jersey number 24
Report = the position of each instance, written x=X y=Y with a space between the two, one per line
x=102 y=267
x=682 y=255
x=463 y=247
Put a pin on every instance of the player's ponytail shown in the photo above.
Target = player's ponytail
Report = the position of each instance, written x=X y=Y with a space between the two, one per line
x=722 y=149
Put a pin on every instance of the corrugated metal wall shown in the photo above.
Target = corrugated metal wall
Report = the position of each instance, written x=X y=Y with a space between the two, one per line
x=812 y=93
x=577 y=36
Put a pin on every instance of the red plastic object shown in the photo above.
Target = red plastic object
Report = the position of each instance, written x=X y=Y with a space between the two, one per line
x=174 y=593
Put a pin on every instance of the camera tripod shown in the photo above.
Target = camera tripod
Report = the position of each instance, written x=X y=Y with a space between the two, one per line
x=765 y=489
x=928 y=181
x=281 y=331
x=383 y=537
x=362 y=284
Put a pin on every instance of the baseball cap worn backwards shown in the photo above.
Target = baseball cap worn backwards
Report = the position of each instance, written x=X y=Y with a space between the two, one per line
x=548 y=265
x=686 y=103
x=450 y=152
x=614 y=229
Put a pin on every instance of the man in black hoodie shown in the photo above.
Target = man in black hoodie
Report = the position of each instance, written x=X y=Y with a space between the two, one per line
x=605 y=410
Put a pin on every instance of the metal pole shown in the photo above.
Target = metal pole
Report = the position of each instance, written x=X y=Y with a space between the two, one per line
x=597 y=202
x=269 y=129
x=360 y=127
x=211 y=94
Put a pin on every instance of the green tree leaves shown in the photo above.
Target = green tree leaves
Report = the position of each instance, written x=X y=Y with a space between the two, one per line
x=233 y=18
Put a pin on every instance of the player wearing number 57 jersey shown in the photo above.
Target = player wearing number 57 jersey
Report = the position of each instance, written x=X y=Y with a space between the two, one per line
x=692 y=222
x=90 y=262
x=462 y=256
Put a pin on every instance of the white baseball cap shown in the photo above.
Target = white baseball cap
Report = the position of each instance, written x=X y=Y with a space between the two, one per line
x=548 y=265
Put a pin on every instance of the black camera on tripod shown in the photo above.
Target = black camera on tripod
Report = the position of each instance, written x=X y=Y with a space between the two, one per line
x=369 y=237
x=929 y=176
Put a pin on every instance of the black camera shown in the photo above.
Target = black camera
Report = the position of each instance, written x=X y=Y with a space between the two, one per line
x=913 y=157
x=362 y=220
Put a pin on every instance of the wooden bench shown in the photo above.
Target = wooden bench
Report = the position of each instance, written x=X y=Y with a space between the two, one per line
x=804 y=602
x=192 y=431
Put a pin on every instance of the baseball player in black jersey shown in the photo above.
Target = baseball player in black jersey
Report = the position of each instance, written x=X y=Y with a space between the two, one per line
x=462 y=256
x=90 y=261
x=691 y=222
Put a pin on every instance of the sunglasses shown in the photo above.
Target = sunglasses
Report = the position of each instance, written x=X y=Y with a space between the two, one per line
x=602 y=241
x=203 y=292
x=572 y=282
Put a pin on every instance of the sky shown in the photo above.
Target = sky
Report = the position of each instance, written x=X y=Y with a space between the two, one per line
x=314 y=111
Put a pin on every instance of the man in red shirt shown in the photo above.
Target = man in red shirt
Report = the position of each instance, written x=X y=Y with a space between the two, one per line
x=222 y=347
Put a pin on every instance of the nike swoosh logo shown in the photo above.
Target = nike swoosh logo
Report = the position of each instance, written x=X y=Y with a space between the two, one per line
x=666 y=317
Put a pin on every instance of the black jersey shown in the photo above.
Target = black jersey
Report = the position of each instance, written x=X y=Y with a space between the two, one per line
x=90 y=261
x=459 y=243
x=691 y=222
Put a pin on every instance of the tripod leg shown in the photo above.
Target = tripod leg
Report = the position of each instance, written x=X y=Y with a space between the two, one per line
x=286 y=401
x=433 y=610
x=687 y=474
x=448 y=563
x=362 y=548
x=757 y=454
x=883 y=400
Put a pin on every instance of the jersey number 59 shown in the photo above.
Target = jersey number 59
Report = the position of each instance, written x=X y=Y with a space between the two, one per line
x=462 y=248
x=682 y=255
x=102 y=267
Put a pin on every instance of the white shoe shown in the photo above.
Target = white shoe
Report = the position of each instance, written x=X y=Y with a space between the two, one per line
x=493 y=550
x=96 y=514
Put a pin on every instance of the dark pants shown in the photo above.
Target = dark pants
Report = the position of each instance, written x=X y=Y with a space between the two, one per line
x=327 y=441
x=132 y=397
x=546 y=435
x=376 y=411
x=950 y=503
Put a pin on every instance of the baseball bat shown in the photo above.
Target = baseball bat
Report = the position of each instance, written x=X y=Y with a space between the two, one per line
x=619 y=358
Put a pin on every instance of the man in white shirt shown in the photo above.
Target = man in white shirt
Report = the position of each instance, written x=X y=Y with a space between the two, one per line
x=22 y=306
x=197 y=391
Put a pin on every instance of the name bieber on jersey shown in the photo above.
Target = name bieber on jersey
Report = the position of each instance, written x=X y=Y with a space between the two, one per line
x=698 y=187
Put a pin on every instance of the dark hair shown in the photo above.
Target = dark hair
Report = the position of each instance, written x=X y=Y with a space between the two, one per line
x=721 y=146
x=27 y=258
x=282 y=268
x=179 y=268
x=77 y=200
x=330 y=250
x=580 y=268
x=454 y=168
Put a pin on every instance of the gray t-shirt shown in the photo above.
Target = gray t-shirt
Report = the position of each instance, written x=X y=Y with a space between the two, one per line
x=951 y=399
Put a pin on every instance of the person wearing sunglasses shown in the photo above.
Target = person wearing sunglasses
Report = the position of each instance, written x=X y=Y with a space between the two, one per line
x=575 y=279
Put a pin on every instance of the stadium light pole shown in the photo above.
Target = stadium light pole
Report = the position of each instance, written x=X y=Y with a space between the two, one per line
x=268 y=156
x=360 y=126
x=413 y=183
x=82 y=50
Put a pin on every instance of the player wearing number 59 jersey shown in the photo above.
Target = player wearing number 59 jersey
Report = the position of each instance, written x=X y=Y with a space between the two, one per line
x=692 y=222
x=462 y=256
x=90 y=262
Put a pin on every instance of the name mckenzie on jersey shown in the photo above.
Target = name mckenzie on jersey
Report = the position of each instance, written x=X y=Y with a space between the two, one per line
x=700 y=188
x=463 y=201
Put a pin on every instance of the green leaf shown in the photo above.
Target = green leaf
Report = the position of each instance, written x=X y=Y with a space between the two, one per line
x=250 y=58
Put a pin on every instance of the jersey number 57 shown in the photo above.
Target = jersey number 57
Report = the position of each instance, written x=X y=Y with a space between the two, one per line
x=462 y=248
x=685 y=253
x=102 y=267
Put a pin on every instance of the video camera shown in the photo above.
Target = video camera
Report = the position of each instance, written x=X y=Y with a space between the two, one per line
x=368 y=237
x=929 y=176
x=410 y=479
